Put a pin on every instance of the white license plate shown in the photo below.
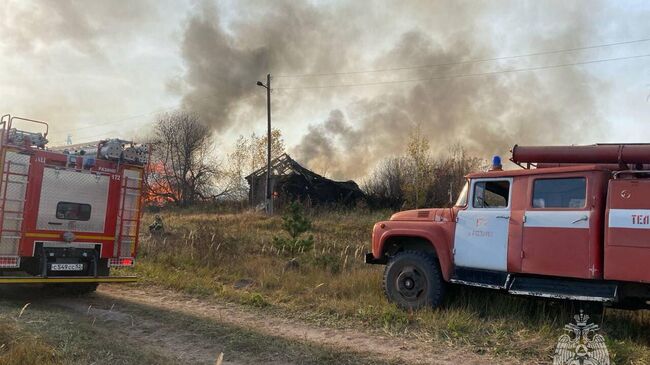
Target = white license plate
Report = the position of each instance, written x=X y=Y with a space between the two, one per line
x=67 y=267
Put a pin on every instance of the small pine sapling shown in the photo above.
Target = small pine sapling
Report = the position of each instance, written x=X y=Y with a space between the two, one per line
x=295 y=223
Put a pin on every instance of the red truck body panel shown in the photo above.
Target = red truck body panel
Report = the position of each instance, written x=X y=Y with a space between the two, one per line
x=561 y=250
x=436 y=226
x=38 y=162
x=627 y=237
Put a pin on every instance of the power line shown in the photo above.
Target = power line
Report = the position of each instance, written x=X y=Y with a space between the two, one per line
x=121 y=120
x=444 y=77
x=466 y=62
x=117 y=121
x=127 y=118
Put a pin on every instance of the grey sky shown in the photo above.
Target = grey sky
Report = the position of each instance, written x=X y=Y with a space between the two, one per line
x=104 y=68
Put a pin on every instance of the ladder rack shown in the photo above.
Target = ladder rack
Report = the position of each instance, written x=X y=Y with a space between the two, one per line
x=14 y=181
x=128 y=215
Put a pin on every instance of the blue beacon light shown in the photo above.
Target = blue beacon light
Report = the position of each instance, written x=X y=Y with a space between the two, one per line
x=496 y=163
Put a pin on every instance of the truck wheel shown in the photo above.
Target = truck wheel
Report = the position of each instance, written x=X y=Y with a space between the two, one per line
x=412 y=280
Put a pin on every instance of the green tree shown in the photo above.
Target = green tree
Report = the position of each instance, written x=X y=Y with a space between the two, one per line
x=295 y=223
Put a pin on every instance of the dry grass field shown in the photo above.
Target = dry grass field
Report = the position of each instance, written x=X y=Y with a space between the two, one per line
x=231 y=256
x=19 y=347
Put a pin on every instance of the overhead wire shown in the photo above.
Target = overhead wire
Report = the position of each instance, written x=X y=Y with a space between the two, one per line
x=116 y=121
x=433 y=78
x=444 y=77
x=126 y=118
x=501 y=58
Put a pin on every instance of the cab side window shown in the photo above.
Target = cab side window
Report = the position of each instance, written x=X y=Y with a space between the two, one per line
x=491 y=194
x=560 y=193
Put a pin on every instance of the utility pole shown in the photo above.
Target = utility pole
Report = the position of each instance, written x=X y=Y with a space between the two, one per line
x=268 y=145
x=269 y=198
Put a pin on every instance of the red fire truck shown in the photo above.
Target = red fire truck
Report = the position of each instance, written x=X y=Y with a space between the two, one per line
x=573 y=223
x=67 y=215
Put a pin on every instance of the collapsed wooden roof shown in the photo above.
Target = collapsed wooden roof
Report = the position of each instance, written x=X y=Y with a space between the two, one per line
x=299 y=182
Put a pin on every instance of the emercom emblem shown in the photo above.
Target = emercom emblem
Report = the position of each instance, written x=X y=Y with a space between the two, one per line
x=581 y=345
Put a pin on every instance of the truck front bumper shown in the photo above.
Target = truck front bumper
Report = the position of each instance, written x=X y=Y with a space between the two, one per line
x=66 y=279
x=371 y=260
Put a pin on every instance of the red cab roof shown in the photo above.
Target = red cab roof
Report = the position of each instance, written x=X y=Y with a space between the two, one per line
x=544 y=171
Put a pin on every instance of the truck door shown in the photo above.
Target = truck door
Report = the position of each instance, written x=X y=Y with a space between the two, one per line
x=481 y=238
x=556 y=239
x=627 y=232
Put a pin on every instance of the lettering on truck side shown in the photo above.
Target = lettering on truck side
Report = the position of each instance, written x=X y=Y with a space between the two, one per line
x=629 y=218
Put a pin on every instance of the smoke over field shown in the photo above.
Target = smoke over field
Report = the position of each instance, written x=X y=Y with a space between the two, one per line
x=97 y=70
x=486 y=114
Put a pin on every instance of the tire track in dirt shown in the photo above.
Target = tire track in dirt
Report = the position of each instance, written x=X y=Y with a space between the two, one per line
x=406 y=351
x=176 y=344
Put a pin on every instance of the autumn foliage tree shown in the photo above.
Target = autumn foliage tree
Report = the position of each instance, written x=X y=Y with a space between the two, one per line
x=417 y=179
x=248 y=155
x=418 y=169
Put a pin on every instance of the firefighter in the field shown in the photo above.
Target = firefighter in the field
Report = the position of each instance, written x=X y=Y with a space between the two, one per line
x=157 y=226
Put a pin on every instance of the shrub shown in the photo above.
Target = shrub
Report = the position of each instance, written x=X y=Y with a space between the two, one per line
x=295 y=223
x=328 y=262
x=256 y=300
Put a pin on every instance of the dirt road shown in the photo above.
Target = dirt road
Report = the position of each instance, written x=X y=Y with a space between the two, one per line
x=178 y=328
x=381 y=347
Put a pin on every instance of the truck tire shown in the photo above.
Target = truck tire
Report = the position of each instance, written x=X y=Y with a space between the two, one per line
x=412 y=280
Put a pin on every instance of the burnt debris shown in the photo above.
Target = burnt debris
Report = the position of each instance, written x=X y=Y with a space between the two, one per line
x=291 y=181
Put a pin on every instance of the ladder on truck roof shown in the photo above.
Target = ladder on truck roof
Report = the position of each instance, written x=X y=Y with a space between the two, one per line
x=129 y=213
x=14 y=179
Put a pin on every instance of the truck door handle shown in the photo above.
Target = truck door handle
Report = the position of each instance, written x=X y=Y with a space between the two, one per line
x=503 y=216
x=584 y=218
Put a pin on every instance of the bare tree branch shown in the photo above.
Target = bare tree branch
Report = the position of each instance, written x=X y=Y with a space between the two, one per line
x=183 y=170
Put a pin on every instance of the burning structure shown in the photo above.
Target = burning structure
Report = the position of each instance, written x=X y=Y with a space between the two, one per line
x=291 y=181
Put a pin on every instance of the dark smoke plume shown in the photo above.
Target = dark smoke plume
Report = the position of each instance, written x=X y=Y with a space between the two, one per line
x=224 y=61
x=485 y=114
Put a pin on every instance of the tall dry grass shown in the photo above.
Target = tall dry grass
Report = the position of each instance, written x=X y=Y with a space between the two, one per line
x=211 y=254
x=18 y=347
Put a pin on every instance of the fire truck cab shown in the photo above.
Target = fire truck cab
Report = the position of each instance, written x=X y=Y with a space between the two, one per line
x=573 y=223
x=67 y=215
